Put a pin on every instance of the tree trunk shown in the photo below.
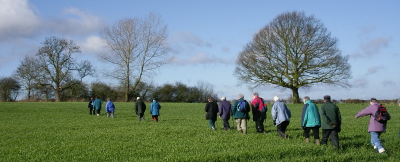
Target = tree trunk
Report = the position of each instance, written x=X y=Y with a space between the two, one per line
x=58 y=96
x=295 y=95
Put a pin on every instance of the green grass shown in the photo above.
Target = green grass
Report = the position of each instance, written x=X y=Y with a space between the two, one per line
x=66 y=132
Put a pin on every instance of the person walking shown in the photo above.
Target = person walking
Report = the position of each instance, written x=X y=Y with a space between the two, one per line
x=140 y=108
x=240 y=111
x=91 y=107
x=280 y=116
x=310 y=120
x=259 y=110
x=224 y=112
x=110 y=108
x=375 y=128
x=97 y=105
x=330 y=122
x=155 y=110
x=212 y=109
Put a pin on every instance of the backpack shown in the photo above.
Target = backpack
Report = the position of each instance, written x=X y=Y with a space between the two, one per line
x=382 y=115
x=263 y=107
x=241 y=106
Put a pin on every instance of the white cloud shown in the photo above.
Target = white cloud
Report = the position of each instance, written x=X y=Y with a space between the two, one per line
x=17 y=19
x=92 y=45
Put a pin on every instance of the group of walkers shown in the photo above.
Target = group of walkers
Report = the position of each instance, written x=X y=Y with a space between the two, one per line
x=94 y=107
x=328 y=118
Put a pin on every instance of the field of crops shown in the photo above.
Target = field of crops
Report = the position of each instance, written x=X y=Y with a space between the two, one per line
x=66 y=132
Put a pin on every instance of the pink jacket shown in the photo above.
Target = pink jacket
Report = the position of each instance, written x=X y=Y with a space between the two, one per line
x=374 y=126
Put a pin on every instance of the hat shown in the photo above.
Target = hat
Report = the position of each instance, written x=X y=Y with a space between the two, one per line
x=327 y=97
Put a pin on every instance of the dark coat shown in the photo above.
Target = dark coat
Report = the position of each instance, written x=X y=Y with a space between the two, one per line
x=90 y=104
x=225 y=110
x=330 y=116
x=212 y=109
x=140 y=107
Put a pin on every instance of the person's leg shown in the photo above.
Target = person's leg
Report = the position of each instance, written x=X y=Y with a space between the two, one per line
x=280 y=131
x=376 y=141
x=306 y=134
x=325 y=136
x=211 y=124
x=335 y=138
x=316 y=135
x=225 y=124
x=257 y=122
x=262 y=130
x=244 y=125
x=238 y=124
x=90 y=111
x=284 y=126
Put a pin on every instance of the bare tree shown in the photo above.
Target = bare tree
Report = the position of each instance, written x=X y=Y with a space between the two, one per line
x=59 y=70
x=137 y=48
x=293 y=51
x=26 y=73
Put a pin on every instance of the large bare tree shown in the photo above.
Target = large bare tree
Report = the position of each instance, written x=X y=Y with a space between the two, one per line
x=137 y=47
x=59 y=70
x=293 y=51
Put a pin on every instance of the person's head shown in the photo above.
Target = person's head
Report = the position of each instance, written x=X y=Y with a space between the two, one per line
x=223 y=98
x=108 y=99
x=276 y=98
x=327 y=98
x=241 y=96
x=210 y=99
x=305 y=99
x=373 y=100
x=154 y=100
x=137 y=98
x=255 y=95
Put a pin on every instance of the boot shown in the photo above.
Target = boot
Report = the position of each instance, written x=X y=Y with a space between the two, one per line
x=307 y=140
x=317 y=142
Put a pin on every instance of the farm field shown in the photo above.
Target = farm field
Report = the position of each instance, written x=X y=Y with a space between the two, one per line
x=65 y=131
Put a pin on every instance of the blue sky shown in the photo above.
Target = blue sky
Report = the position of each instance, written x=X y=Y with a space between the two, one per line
x=206 y=37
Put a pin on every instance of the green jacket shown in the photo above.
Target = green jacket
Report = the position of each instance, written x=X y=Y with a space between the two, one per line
x=238 y=114
x=330 y=116
x=97 y=104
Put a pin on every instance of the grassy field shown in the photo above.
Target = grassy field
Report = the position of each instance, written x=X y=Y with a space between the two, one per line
x=66 y=132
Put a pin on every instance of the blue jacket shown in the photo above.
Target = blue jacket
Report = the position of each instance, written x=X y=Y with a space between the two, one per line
x=225 y=110
x=238 y=114
x=310 y=115
x=280 y=112
x=155 y=108
x=110 y=106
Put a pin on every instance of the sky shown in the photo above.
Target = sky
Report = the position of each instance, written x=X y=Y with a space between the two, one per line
x=206 y=37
